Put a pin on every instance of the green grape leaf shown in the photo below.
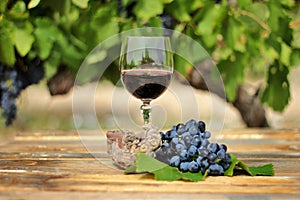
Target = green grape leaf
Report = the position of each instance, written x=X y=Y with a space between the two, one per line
x=214 y=14
x=234 y=162
x=33 y=4
x=70 y=55
x=277 y=86
x=81 y=3
x=189 y=176
x=63 y=7
x=265 y=170
x=285 y=54
x=24 y=39
x=101 y=27
x=296 y=39
x=3 y=5
x=131 y=169
x=155 y=22
x=167 y=173
x=164 y=172
x=7 y=52
x=276 y=12
x=244 y=3
x=179 y=10
x=232 y=71
x=295 y=58
x=45 y=34
x=288 y=3
x=181 y=65
x=285 y=32
x=18 y=11
x=160 y=170
x=18 y=8
x=260 y=10
x=167 y=1
x=234 y=34
x=145 y=9
x=145 y=163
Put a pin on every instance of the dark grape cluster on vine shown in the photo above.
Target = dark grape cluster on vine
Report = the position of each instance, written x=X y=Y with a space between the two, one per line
x=13 y=79
x=187 y=147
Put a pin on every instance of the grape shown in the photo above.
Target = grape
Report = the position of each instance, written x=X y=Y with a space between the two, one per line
x=225 y=165
x=223 y=146
x=186 y=137
x=175 y=161
x=191 y=124
x=227 y=157
x=183 y=155
x=167 y=24
x=13 y=80
x=212 y=157
x=184 y=166
x=202 y=151
x=179 y=148
x=165 y=144
x=201 y=126
x=193 y=130
x=215 y=169
x=180 y=128
x=193 y=166
x=199 y=160
x=192 y=150
x=212 y=147
x=186 y=146
x=206 y=134
x=221 y=154
x=196 y=141
x=174 y=142
x=167 y=21
x=205 y=143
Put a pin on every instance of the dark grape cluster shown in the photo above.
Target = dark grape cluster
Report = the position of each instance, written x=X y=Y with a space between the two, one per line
x=13 y=79
x=187 y=147
x=167 y=24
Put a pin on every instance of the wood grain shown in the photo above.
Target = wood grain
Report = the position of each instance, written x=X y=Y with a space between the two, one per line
x=56 y=165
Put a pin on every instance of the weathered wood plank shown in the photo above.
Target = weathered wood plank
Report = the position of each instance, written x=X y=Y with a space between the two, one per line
x=56 y=165
x=58 y=195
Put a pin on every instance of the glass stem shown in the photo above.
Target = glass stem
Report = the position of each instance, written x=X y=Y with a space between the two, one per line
x=146 y=111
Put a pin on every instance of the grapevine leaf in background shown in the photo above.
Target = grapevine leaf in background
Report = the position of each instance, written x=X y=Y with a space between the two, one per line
x=7 y=54
x=278 y=76
x=81 y=3
x=33 y=3
x=235 y=66
x=147 y=9
x=179 y=10
x=45 y=34
x=24 y=39
x=164 y=172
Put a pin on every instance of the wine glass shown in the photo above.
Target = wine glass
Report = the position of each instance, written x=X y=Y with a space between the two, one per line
x=146 y=66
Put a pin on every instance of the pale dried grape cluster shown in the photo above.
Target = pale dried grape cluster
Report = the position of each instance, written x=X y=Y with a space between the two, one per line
x=123 y=145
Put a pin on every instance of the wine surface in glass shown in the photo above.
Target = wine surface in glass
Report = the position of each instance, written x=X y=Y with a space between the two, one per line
x=146 y=84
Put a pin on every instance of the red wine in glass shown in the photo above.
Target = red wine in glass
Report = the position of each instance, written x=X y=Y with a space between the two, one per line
x=146 y=84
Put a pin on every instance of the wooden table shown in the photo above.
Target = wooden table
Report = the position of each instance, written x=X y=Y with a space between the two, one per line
x=56 y=165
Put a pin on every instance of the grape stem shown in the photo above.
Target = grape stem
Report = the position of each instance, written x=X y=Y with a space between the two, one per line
x=146 y=111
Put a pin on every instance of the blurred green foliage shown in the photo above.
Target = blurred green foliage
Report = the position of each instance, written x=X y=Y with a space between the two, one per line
x=240 y=35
